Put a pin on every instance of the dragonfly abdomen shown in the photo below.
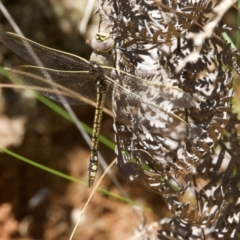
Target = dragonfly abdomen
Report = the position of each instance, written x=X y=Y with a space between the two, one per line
x=93 y=165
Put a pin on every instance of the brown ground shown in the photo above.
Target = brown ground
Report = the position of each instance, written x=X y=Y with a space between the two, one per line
x=31 y=129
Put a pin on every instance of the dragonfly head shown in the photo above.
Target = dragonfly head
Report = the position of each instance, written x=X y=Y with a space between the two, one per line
x=102 y=42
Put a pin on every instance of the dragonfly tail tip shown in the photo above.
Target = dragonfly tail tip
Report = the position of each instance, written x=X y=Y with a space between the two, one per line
x=90 y=182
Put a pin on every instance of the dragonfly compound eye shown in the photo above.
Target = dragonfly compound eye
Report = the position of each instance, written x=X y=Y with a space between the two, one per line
x=102 y=42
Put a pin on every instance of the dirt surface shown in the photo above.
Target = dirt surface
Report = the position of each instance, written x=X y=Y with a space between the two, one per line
x=35 y=204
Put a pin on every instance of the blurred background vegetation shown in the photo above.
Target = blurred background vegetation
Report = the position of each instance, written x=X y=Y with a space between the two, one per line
x=38 y=205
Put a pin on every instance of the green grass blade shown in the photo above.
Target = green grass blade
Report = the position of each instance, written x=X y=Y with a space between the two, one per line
x=229 y=40
x=72 y=179
x=38 y=165
x=238 y=25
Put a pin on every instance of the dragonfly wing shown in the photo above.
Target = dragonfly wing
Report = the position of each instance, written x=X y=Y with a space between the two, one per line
x=168 y=97
x=73 y=87
x=42 y=56
x=149 y=106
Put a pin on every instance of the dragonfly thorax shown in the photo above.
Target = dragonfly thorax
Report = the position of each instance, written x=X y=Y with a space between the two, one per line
x=105 y=58
x=97 y=72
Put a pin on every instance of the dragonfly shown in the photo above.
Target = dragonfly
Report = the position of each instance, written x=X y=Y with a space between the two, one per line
x=67 y=78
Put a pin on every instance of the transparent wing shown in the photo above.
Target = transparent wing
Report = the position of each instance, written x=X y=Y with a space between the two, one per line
x=149 y=106
x=42 y=56
x=135 y=108
x=73 y=87
x=168 y=97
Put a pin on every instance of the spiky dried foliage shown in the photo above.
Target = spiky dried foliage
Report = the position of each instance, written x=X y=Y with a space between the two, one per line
x=193 y=166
